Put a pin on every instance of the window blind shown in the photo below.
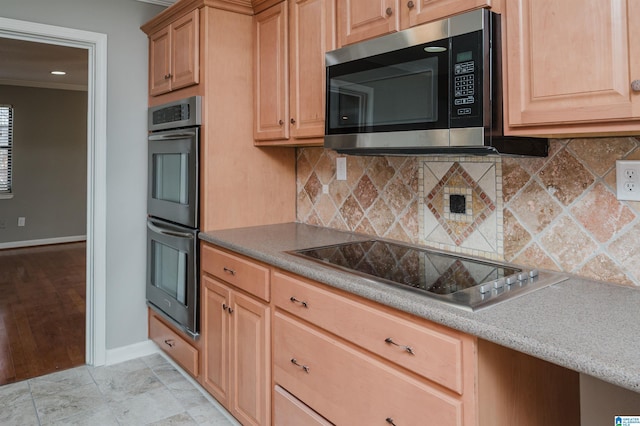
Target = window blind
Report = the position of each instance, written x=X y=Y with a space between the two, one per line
x=6 y=140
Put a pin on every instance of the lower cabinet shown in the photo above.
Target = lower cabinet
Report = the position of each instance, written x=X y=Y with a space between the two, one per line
x=277 y=348
x=181 y=350
x=236 y=350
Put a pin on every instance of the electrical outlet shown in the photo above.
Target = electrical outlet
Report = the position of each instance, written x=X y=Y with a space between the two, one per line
x=21 y=221
x=628 y=180
x=341 y=168
x=325 y=189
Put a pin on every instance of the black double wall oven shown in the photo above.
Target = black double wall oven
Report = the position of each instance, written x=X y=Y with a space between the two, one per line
x=172 y=286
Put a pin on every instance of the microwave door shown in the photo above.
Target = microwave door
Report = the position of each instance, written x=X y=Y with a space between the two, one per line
x=404 y=90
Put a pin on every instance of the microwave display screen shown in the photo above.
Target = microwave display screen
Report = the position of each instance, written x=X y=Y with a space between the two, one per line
x=464 y=56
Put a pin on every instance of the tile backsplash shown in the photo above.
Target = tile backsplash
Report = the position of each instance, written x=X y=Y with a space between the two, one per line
x=558 y=213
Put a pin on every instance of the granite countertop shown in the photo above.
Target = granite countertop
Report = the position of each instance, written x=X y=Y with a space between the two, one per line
x=587 y=326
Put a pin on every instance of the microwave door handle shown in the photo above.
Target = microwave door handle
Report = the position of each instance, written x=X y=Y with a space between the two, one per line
x=162 y=231
x=172 y=136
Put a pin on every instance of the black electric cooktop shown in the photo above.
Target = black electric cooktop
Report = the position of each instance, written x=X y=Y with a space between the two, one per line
x=464 y=282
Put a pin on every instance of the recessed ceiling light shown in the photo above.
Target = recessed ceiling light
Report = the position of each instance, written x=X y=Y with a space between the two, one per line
x=58 y=72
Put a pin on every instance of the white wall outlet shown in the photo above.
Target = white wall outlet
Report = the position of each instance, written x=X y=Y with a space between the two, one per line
x=325 y=189
x=341 y=168
x=21 y=221
x=628 y=180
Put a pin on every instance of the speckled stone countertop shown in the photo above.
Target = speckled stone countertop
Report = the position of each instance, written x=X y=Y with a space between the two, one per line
x=587 y=326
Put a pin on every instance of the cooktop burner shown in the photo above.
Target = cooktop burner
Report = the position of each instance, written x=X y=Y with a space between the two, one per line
x=464 y=282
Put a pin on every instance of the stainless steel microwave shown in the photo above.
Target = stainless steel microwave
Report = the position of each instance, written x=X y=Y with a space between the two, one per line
x=435 y=88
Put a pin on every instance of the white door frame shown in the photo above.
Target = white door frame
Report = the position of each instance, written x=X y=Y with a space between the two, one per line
x=96 y=45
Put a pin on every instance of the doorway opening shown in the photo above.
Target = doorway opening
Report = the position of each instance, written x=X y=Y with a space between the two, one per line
x=96 y=46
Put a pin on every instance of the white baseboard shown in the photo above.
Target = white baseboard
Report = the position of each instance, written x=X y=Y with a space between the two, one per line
x=43 y=242
x=126 y=353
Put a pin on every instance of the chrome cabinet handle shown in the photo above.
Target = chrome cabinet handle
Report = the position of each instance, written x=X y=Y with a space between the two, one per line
x=170 y=343
x=635 y=85
x=294 y=300
x=228 y=270
x=304 y=367
x=390 y=421
x=389 y=11
x=406 y=348
x=410 y=4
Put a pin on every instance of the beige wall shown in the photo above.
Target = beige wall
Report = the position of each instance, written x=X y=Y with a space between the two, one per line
x=49 y=164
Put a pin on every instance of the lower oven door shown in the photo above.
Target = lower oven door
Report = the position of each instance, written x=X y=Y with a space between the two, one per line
x=172 y=273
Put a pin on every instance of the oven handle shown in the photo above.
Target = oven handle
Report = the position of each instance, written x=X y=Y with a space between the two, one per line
x=159 y=230
x=171 y=136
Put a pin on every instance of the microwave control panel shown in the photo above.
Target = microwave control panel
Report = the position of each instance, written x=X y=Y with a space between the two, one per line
x=466 y=80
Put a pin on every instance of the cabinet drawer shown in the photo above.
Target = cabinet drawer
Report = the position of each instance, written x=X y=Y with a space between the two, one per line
x=432 y=351
x=289 y=411
x=174 y=345
x=348 y=386
x=241 y=272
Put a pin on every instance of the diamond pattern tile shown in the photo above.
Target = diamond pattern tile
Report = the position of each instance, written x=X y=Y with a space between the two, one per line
x=558 y=212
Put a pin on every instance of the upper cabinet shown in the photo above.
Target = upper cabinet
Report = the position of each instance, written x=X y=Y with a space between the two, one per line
x=365 y=19
x=174 y=55
x=572 y=67
x=291 y=39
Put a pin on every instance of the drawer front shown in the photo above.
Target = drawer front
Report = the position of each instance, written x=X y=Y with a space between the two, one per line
x=174 y=345
x=289 y=411
x=432 y=351
x=348 y=386
x=236 y=270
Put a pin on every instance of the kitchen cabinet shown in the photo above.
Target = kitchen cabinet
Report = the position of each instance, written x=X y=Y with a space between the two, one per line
x=366 y=19
x=290 y=40
x=233 y=188
x=236 y=334
x=331 y=347
x=174 y=55
x=184 y=352
x=570 y=67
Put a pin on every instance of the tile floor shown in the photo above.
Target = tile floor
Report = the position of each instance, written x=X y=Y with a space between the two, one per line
x=143 y=391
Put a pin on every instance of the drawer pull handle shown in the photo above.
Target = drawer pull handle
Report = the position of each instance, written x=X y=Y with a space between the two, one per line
x=406 y=348
x=228 y=270
x=294 y=300
x=170 y=343
x=304 y=367
x=390 y=421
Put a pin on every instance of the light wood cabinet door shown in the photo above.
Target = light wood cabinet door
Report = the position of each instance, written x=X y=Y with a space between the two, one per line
x=416 y=12
x=160 y=62
x=185 y=49
x=216 y=298
x=311 y=33
x=271 y=102
x=571 y=62
x=250 y=360
x=364 y=19
x=174 y=55
x=349 y=387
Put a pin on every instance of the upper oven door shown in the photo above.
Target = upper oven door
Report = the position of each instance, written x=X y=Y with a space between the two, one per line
x=173 y=176
x=405 y=89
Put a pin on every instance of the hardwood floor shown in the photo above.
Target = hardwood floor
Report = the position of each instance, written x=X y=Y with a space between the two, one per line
x=42 y=310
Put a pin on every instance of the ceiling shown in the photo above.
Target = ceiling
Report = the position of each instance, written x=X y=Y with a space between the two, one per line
x=27 y=63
